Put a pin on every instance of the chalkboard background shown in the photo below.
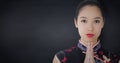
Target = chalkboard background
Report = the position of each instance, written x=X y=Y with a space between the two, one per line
x=32 y=31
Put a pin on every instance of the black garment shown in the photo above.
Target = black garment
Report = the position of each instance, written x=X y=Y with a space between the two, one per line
x=77 y=55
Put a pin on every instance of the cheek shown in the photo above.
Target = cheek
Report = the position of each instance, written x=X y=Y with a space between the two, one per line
x=81 y=30
x=98 y=31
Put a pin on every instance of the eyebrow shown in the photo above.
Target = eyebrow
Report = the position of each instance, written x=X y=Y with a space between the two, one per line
x=93 y=18
x=97 y=18
x=83 y=17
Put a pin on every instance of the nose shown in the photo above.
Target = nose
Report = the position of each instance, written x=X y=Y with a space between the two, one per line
x=90 y=27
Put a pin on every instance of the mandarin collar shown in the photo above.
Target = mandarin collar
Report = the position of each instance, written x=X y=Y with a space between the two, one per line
x=84 y=48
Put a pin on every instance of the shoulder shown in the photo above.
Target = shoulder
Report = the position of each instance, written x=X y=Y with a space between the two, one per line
x=63 y=54
x=68 y=54
x=109 y=56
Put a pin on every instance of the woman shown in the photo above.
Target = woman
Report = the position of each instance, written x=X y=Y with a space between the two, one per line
x=89 y=20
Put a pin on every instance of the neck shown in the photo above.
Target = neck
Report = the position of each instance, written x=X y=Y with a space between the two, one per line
x=84 y=42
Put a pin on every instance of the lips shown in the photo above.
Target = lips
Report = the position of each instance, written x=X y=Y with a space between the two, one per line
x=90 y=35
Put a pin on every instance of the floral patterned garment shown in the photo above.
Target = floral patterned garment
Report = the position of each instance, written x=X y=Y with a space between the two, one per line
x=76 y=54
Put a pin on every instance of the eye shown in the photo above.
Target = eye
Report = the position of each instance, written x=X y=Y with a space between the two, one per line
x=97 y=21
x=84 y=21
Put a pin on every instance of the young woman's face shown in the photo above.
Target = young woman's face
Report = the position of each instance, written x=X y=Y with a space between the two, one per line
x=89 y=23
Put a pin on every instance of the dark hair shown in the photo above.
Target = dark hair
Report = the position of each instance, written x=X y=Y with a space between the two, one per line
x=86 y=3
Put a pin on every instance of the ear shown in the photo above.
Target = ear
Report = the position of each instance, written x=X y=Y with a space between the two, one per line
x=75 y=22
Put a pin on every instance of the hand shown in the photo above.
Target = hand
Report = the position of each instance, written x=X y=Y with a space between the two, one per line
x=89 y=58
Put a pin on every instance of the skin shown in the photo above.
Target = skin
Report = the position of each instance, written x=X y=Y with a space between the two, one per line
x=90 y=21
x=55 y=60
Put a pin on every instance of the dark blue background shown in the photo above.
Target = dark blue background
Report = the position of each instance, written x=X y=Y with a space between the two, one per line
x=32 y=31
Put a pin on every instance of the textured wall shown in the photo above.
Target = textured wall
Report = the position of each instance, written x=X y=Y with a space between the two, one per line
x=32 y=31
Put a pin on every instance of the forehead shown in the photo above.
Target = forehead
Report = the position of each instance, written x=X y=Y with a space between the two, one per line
x=90 y=11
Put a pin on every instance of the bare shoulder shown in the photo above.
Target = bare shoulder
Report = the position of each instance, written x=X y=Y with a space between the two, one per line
x=55 y=59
